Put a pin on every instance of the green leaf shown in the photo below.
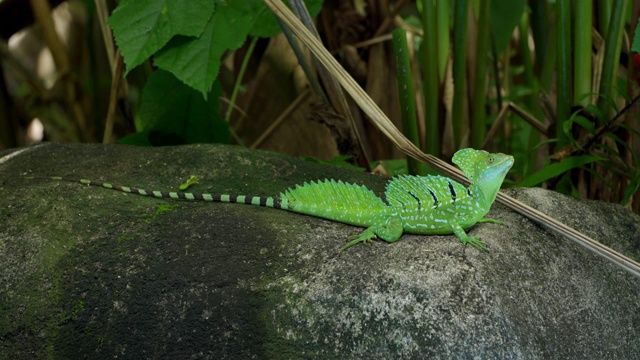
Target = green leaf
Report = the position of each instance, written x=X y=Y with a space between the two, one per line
x=196 y=61
x=635 y=47
x=595 y=111
x=266 y=24
x=633 y=186
x=505 y=16
x=555 y=169
x=585 y=124
x=137 y=139
x=339 y=161
x=173 y=113
x=191 y=181
x=143 y=27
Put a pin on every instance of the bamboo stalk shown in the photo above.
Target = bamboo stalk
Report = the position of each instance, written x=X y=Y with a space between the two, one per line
x=582 y=52
x=405 y=93
x=459 y=69
x=478 y=114
x=430 y=82
x=563 y=72
x=613 y=45
x=442 y=32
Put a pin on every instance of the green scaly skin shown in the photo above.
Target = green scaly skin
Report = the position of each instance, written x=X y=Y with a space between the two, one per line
x=416 y=205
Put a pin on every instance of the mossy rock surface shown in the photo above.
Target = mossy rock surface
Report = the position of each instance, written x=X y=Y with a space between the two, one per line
x=95 y=273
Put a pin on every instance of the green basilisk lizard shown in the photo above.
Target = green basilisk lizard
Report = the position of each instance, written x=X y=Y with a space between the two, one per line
x=414 y=204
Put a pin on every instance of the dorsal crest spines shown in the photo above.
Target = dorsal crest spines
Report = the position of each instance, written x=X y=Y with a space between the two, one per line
x=331 y=191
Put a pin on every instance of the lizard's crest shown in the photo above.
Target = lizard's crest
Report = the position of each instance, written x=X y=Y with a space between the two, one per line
x=485 y=171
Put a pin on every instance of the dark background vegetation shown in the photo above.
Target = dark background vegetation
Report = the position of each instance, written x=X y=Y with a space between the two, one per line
x=551 y=82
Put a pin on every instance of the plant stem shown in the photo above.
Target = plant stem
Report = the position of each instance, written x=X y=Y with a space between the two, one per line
x=459 y=68
x=430 y=73
x=406 y=94
x=582 y=52
x=479 y=84
x=442 y=31
x=531 y=100
x=604 y=16
x=540 y=30
x=613 y=45
x=563 y=69
x=238 y=83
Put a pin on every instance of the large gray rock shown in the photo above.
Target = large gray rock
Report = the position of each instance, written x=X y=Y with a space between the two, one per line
x=93 y=273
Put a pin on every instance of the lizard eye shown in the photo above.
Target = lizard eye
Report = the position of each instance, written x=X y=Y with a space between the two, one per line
x=490 y=159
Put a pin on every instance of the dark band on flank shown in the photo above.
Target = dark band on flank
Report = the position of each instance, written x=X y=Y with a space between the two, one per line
x=452 y=191
x=415 y=197
x=435 y=198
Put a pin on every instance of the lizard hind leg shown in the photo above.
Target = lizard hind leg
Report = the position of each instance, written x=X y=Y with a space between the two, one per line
x=466 y=239
x=389 y=231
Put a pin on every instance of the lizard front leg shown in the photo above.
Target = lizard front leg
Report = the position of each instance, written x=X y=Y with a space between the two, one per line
x=466 y=239
x=389 y=231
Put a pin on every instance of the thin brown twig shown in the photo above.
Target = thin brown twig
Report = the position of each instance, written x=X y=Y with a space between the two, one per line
x=285 y=115
x=384 y=27
x=113 y=99
x=107 y=36
x=506 y=109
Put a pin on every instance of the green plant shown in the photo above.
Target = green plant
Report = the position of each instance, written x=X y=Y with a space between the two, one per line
x=187 y=41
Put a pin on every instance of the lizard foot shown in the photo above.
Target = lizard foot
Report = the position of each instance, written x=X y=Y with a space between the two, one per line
x=364 y=238
x=475 y=242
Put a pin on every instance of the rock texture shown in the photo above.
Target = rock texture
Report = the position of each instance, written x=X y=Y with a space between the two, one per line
x=94 y=273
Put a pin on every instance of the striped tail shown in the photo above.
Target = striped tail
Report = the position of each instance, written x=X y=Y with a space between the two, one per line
x=266 y=201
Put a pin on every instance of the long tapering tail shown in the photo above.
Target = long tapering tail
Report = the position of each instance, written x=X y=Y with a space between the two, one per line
x=267 y=201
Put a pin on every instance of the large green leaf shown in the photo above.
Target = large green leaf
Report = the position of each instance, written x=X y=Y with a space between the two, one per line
x=173 y=113
x=143 y=27
x=188 y=38
x=635 y=47
x=505 y=16
x=196 y=61
x=555 y=169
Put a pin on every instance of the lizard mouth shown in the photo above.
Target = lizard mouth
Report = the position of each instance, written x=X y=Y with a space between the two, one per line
x=490 y=180
x=506 y=163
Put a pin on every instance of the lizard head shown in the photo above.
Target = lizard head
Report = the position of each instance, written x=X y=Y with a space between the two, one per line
x=485 y=171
